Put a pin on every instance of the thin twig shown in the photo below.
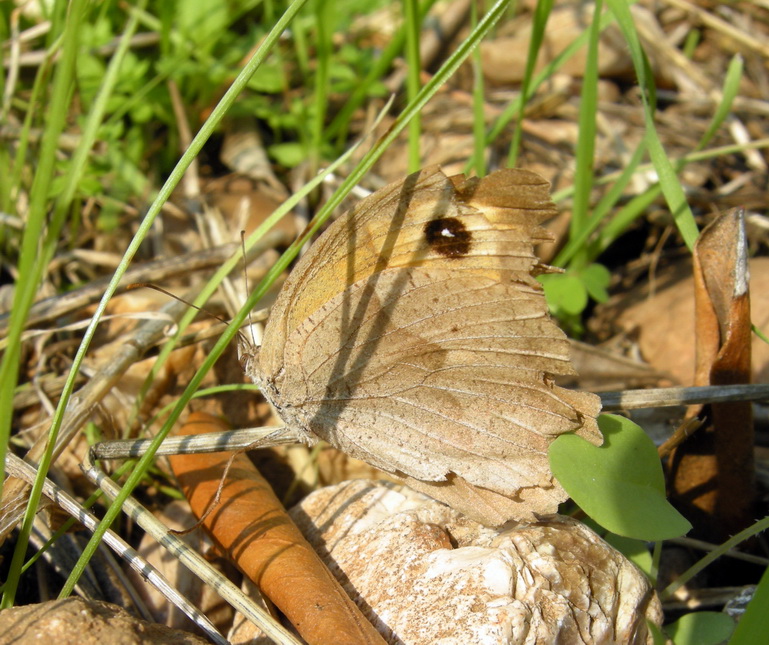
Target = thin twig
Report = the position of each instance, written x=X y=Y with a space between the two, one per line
x=190 y=559
x=18 y=468
x=671 y=396
x=214 y=442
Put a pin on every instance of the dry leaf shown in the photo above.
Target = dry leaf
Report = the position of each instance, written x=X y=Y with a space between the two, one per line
x=665 y=325
x=414 y=336
x=251 y=526
x=714 y=469
x=504 y=59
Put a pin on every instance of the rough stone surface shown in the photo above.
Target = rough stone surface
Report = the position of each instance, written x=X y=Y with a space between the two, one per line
x=424 y=574
x=74 y=621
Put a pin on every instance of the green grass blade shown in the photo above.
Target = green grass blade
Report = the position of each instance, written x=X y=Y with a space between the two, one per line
x=5 y=189
x=669 y=183
x=510 y=112
x=626 y=215
x=760 y=526
x=754 y=624
x=35 y=102
x=601 y=210
x=79 y=159
x=479 y=103
x=413 y=70
x=583 y=179
x=339 y=126
x=729 y=92
x=195 y=146
x=323 y=26
x=538 y=26
x=30 y=268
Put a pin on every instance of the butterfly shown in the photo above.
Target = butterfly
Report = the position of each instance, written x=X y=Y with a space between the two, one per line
x=413 y=335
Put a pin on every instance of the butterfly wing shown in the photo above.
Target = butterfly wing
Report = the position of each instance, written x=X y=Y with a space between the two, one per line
x=433 y=356
x=426 y=219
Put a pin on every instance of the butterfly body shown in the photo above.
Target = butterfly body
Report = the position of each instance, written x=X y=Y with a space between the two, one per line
x=414 y=336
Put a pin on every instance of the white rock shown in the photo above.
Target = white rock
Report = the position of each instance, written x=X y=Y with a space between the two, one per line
x=426 y=575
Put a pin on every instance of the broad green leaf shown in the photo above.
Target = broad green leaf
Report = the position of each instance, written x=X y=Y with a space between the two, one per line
x=701 y=628
x=619 y=484
x=596 y=278
x=565 y=293
x=657 y=636
x=634 y=550
x=754 y=624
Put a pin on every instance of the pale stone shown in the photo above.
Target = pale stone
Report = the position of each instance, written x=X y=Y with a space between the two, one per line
x=424 y=574
x=74 y=621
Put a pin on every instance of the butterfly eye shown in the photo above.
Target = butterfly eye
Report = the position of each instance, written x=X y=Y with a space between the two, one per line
x=449 y=237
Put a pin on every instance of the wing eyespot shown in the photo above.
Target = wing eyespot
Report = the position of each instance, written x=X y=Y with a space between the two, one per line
x=449 y=237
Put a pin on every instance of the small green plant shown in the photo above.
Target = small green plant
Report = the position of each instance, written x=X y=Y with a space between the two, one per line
x=754 y=624
x=700 y=628
x=569 y=293
x=619 y=484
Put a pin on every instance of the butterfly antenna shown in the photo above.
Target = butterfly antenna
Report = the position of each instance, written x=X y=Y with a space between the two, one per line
x=141 y=285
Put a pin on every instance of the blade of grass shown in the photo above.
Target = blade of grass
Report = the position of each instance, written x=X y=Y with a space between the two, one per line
x=302 y=56
x=68 y=524
x=728 y=94
x=448 y=68
x=413 y=70
x=588 y=108
x=6 y=33
x=35 y=102
x=479 y=123
x=692 y=157
x=79 y=513
x=163 y=195
x=509 y=113
x=339 y=127
x=669 y=183
x=638 y=205
x=754 y=623
x=76 y=167
x=760 y=526
x=323 y=63
x=174 y=56
x=607 y=202
x=62 y=206
x=538 y=25
x=30 y=268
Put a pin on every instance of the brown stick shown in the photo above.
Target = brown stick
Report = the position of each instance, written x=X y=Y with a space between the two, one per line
x=252 y=527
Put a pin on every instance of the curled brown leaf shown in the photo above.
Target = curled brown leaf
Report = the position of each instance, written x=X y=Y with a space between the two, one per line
x=251 y=526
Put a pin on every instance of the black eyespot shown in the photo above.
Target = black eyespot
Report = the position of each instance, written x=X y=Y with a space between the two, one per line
x=449 y=237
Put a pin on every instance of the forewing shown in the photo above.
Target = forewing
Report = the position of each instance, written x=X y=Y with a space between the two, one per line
x=500 y=217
